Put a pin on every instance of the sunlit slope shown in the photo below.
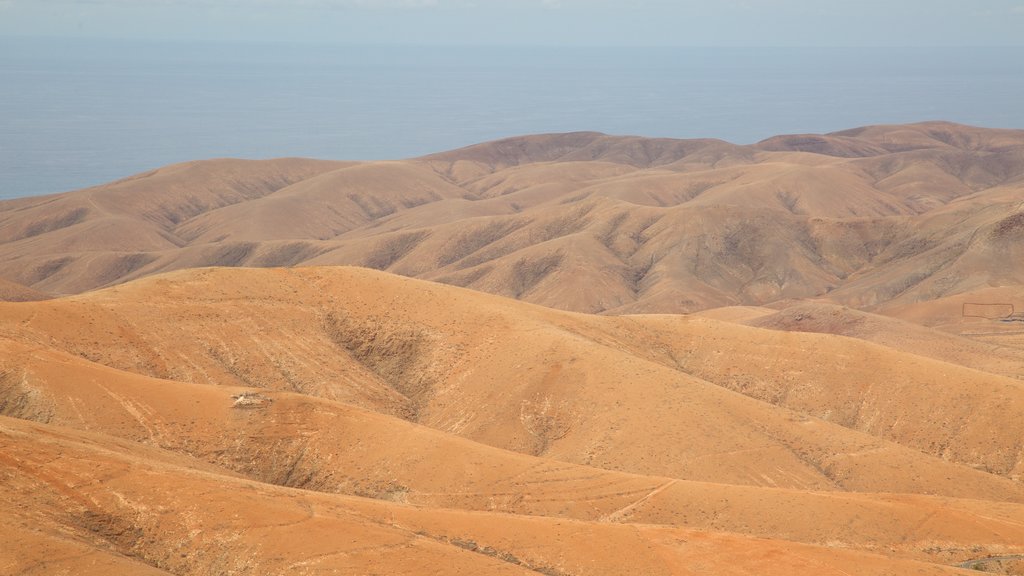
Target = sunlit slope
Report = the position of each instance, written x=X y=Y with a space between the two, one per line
x=304 y=441
x=581 y=221
x=104 y=234
x=583 y=389
x=956 y=413
x=312 y=444
x=130 y=508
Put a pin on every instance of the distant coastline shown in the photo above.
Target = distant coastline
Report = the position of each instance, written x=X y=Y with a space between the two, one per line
x=76 y=113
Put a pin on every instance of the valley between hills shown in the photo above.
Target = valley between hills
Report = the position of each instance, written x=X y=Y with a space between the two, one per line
x=566 y=354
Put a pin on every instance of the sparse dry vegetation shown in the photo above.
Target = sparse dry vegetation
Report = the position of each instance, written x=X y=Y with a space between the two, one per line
x=372 y=207
x=48 y=268
x=467 y=278
x=1009 y=228
x=393 y=248
x=470 y=241
x=526 y=273
x=50 y=224
x=290 y=254
x=402 y=358
x=546 y=420
x=560 y=226
x=18 y=399
x=231 y=254
x=636 y=273
x=789 y=201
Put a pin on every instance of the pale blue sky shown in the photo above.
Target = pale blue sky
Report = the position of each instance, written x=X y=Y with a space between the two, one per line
x=531 y=22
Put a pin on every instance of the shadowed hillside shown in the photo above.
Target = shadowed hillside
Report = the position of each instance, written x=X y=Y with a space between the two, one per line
x=13 y=292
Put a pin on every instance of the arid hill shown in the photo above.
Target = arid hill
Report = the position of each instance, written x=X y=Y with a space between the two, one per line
x=568 y=354
x=145 y=512
x=314 y=419
x=884 y=216
x=13 y=292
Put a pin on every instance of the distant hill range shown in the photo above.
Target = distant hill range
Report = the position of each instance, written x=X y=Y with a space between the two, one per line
x=878 y=218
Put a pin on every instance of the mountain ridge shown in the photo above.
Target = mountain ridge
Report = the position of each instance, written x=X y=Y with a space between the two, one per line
x=872 y=217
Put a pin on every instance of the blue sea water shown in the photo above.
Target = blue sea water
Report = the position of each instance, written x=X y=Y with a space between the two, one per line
x=74 y=113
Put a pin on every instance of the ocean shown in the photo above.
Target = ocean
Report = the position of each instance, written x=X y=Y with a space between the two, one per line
x=75 y=113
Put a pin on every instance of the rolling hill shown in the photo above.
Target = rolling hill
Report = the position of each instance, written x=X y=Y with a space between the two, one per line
x=366 y=393
x=877 y=217
x=565 y=354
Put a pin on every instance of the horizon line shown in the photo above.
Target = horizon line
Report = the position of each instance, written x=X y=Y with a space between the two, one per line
x=342 y=44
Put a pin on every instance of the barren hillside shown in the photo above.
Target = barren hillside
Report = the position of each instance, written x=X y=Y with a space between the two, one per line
x=365 y=393
x=877 y=216
x=567 y=354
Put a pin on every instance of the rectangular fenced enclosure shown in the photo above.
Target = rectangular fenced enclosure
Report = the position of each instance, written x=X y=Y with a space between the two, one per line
x=987 y=310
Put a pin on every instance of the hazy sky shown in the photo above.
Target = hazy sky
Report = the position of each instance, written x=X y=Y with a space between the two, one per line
x=546 y=22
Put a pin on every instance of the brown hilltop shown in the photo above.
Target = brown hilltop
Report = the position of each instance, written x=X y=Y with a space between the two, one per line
x=871 y=217
x=14 y=292
x=891 y=332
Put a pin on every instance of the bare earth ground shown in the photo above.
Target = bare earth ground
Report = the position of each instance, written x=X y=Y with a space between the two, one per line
x=824 y=406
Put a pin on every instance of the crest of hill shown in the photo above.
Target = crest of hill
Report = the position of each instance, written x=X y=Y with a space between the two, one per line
x=883 y=139
x=893 y=333
x=578 y=221
x=589 y=147
x=828 y=145
x=936 y=134
x=13 y=292
x=163 y=197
